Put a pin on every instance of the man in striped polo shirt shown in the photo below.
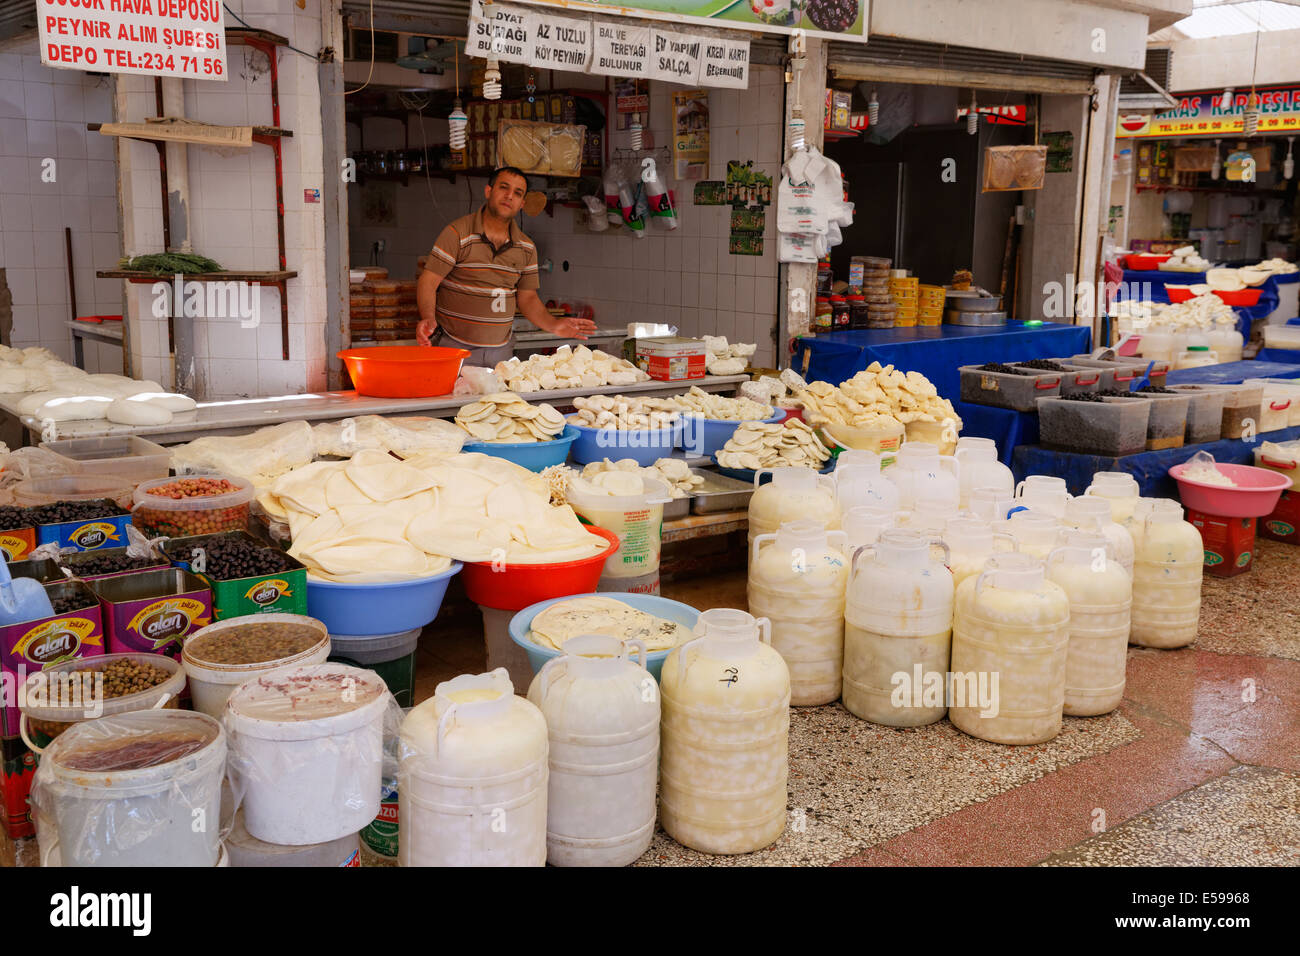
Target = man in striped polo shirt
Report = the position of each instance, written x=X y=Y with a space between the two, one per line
x=479 y=273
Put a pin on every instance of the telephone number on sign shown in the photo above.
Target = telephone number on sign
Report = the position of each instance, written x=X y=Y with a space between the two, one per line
x=196 y=65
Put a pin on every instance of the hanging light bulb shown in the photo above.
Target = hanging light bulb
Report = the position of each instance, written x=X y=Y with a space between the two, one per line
x=873 y=109
x=492 y=80
x=1250 y=120
x=797 y=130
x=1288 y=164
x=634 y=131
x=1214 y=170
x=457 y=124
x=973 y=117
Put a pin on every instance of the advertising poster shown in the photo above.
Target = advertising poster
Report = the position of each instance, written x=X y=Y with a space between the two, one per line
x=691 y=134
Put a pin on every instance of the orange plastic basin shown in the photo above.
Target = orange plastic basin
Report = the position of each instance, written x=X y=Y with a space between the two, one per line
x=404 y=371
x=513 y=587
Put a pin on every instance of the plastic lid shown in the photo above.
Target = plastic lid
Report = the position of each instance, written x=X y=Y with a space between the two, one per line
x=127 y=743
x=70 y=698
x=1198 y=348
x=41 y=491
x=302 y=694
x=243 y=493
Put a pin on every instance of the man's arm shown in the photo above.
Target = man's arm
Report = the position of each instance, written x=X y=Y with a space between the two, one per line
x=426 y=297
x=530 y=304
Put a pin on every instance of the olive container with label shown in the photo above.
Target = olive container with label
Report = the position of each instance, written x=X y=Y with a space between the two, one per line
x=153 y=612
x=91 y=535
x=17 y=543
x=281 y=592
x=30 y=646
x=73 y=563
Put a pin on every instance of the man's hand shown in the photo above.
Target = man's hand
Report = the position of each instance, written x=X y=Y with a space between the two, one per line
x=425 y=329
x=573 y=327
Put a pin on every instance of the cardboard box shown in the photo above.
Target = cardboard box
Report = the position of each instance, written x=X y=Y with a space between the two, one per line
x=1229 y=543
x=1284 y=523
x=672 y=358
x=17 y=768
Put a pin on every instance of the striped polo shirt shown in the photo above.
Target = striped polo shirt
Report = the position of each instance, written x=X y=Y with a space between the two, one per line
x=476 y=297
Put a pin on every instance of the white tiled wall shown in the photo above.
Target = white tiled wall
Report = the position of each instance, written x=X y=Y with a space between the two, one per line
x=232 y=214
x=684 y=277
x=43 y=115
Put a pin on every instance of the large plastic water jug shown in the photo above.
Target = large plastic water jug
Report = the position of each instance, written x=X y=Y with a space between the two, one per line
x=472 y=777
x=1159 y=343
x=862 y=483
x=1087 y=513
x=1136 y=523
x=921 y=469
x=1226 y=342
x=897 y=632
x=724 y=749
x=1045 y=493
x=1101 y=597
x=1037 y=532
x=796 y=581
x=991 y=504
x=971 y=542
x=1119 y=488
x=864 y=524
x=980 y=468
x=602 y=714
x=931 y=510
x=791 y=494
x=1167 y=574
x=1010 y=636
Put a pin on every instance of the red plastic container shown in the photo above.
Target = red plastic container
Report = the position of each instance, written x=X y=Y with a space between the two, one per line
x=1179 y=295
x=1246 y=297
x=1144 y=262
x=513 y=587
x=404 y=371
x=1255 y=496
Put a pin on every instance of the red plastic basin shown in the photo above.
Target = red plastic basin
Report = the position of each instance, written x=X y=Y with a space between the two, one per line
x=1179 y=295
x=1144 y=262
x=1255 y=496
x=513 y=587
x=1240 y=297
x=404 y=371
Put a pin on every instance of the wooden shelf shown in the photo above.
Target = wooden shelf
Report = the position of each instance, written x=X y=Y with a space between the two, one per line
x=260 y=278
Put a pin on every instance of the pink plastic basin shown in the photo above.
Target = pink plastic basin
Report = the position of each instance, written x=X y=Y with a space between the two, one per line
x=1255 y=496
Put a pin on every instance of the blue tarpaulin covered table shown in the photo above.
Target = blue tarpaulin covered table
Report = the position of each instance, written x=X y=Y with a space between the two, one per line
x=934 y=351
x=1151 y=468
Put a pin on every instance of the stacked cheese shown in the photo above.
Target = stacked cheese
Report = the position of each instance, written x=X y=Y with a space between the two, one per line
x=567 y=368
x=374 y=518
x=876 y=396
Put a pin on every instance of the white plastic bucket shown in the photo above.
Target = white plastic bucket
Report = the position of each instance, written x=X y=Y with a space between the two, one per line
x=636 y=519
x=162 y=815
x=212 y=684
x=309 y=758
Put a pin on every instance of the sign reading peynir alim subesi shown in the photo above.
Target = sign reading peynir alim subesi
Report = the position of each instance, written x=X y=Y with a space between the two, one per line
x=177 y=38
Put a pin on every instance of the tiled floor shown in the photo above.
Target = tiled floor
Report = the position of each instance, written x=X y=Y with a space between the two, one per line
x=1199 y=765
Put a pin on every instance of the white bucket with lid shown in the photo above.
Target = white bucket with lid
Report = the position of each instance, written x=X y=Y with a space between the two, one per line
x=157 y=772
x=244 y=849
x=637 y=519
x=211 y=684
x=307 y=743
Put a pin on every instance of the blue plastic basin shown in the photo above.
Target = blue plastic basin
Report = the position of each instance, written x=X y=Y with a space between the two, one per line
x=533 y=455
x=706 y=436
x=365 y=609
x=538 y=655
x=646 y=445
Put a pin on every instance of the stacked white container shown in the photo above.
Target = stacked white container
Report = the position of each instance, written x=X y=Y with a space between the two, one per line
x=1010 y=638
x=897 y=621
x=793 y=493
x=1101 y=598
x=1167 y=576
x=796 y=580
x=473 y=776
x=724 y=755
x=602 y=715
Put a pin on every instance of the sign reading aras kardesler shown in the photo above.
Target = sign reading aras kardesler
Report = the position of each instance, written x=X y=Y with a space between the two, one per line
x=180 y=38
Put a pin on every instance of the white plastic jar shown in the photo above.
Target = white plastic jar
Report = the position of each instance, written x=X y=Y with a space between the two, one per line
x=793 y=493
x=1167 y=581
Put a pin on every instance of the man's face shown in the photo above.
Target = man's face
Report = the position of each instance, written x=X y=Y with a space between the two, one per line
x=505 y=197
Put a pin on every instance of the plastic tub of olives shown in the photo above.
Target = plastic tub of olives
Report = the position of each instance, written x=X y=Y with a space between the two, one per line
x=220 y=657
